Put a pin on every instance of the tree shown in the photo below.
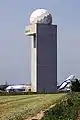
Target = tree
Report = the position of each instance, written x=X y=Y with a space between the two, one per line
x=75 y=85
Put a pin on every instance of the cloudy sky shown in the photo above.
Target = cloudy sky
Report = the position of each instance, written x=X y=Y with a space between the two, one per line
x=15 y=46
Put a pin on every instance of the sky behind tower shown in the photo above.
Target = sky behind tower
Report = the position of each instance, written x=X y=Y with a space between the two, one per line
x=15 y=46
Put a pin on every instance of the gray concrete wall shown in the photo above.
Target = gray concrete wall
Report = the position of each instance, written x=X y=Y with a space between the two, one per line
x=46 y=58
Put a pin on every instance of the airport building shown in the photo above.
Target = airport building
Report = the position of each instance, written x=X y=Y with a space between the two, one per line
x=43 y=51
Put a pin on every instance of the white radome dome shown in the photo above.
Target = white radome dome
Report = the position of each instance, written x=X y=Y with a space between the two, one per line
x=41 y=16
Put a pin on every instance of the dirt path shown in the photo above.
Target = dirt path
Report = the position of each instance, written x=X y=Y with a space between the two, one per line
x=78 y=118
x=37 y=117
x=40 y=114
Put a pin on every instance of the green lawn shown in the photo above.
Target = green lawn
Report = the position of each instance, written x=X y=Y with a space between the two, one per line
x=24 y=106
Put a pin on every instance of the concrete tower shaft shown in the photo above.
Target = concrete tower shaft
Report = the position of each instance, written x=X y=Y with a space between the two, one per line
x=43 y=57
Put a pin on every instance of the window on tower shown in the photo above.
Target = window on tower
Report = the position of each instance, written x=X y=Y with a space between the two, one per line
x=34 y=41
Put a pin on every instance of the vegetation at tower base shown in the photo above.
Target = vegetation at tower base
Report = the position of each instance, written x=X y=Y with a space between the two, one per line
x=66 y=109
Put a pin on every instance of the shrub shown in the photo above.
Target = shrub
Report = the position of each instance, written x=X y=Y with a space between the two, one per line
x=66 y=109
x=75 y=85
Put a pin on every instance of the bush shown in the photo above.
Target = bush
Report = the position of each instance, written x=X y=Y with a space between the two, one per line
x=75 y=85
x=66 y=109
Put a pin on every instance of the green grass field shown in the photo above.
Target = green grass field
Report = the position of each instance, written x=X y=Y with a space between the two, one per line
x=23 y=106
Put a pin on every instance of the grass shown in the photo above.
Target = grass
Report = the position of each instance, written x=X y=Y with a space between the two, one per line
x=22 y=106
